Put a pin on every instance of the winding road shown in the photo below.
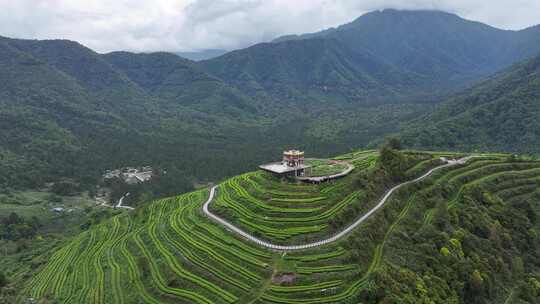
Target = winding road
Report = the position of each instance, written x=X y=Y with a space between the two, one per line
x=320 y=179
x=121 y=202
x=334 y=238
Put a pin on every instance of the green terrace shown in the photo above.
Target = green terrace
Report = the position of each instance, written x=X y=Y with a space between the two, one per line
x=170 y=252
x=286 y=211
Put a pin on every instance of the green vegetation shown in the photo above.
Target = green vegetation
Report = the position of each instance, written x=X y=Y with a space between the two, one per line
x=466 y=234
x=369 y=59
x=166 y=252
x=289 y=213
x=321 y=167
x=293 y=213
x=498 y=114
x=68 y=113
x=463 y=235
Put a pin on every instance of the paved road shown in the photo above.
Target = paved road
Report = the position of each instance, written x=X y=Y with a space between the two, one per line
x=319 y=179
x=334 y=238
x=121 y=201
x=119 y=205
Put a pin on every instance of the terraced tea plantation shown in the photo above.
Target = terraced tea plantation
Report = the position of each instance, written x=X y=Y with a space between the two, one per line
x=288 y=212
x=169 y=252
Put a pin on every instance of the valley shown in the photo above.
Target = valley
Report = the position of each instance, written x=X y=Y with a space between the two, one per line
x=70 y=112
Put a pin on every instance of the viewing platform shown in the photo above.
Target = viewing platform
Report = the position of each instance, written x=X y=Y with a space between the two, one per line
x=295 y=165
x=291 y=165
x=282 y=169
x=320 y=179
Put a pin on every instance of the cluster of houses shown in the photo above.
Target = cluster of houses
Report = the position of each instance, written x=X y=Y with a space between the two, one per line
x=131 y=175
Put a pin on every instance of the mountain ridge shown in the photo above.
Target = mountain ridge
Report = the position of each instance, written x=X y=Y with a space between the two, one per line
x=498 y=114
x=121 y=108
x=440 y=50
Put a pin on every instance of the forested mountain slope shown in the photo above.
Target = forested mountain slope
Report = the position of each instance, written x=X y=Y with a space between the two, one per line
x=45 y=114
x=414 y=54
x=434 y=43
x=467 y=233
x=500 y=114
x=71 y=112
x=312 y=71
x=181 y=82
x=68 y=112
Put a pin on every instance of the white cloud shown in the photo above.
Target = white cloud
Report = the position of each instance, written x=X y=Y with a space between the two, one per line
x=176 y=25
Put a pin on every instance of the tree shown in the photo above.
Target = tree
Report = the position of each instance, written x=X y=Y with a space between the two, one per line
x=393 y=143
x=518 y=268
x=442 y=217
x=392 y=161
x=65 y=188
x=3 y=279
x=13 y=219
x=476 y=283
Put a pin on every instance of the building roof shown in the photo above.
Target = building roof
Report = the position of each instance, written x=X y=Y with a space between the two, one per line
x=293 y=153
x=280 y=168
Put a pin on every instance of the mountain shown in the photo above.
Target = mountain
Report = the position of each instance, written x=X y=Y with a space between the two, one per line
x=71 y=112
x=389 y=55
x=45 y=113
x=464 y=233
x=307 y=71
x=202 y=55
x=500 y=114
x=434 y=43
x=401 y=226
x=180 y=82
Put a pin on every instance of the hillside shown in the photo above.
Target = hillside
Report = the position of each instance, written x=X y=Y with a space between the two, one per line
x=181 y=82
x=42 y=111
x=71 y=113
x=68 y=112
x=401 y=54
x=309 y=71
x=499 y=114
x=462 y=233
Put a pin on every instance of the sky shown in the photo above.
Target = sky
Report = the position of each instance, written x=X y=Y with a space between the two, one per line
x=192 y=25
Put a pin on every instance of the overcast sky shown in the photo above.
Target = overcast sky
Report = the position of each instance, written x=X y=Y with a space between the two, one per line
x=184 y=25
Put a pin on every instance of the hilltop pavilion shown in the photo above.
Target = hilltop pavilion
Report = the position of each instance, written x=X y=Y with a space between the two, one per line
x=291 y=165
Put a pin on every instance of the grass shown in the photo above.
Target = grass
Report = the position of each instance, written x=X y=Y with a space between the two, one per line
x=322 y=167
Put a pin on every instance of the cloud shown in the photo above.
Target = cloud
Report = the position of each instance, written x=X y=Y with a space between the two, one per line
x=183 y=25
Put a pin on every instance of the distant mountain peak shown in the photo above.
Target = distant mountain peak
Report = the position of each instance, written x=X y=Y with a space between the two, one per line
x=388 y=17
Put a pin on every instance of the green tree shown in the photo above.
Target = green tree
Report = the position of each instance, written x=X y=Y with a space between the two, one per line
x=392 y=162
x=65 y=188
x=476 y=283
x=3 y=279
x=393 y=143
